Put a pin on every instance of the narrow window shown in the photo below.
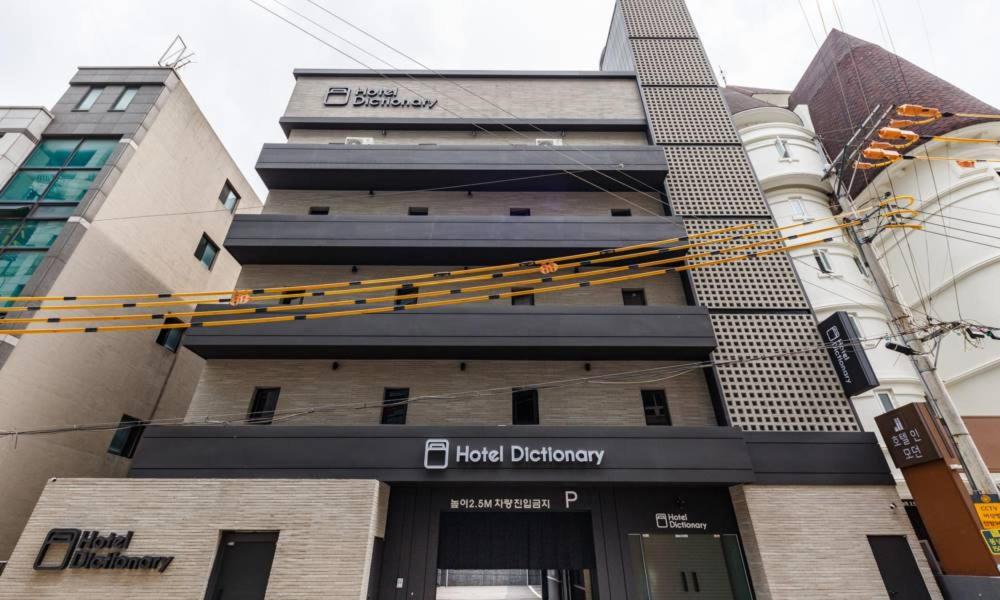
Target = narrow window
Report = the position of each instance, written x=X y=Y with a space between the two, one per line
x=242 y=564
x=417 y=211
x=319 y=210
x=262 y=405
x=125 y=98
x=524 y=407
x=89 y=98
x=170 y=338
x=394 y=403
x=823 y=260
x=405 y=297
x=860 y=264
x=207 y=251
x=228 y=197
x=635 y=297
x=621 y=212
x=886 y=400
x=853 y=317
x=126 y=437
x=784 y=152
x=523 y=299
x=798 y=209
x=520 y=212
x=294 y=299
x=654 y=404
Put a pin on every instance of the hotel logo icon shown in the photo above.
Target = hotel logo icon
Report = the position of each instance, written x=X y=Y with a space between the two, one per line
x=436 y=454
x=338 y=96
x=60 y=544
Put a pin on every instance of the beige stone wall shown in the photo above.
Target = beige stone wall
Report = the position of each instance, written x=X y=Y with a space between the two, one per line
x=477 y=137
x=497 y=204
x=352 y=394
x=810 y=542
x=137 y=242
x=326 y=533
x=544 y=98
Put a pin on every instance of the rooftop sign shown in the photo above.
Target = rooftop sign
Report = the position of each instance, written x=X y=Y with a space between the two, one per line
x=375 y=97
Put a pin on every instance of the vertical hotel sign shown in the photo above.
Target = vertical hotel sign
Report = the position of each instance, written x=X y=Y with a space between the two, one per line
x=848 y=355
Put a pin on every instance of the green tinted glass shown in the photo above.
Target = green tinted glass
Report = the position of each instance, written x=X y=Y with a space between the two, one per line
x=37 y=234
x=93 y=153
x=53 y=212
x=16 y=269
x=7 y=229
x=70 y=186
x=27 y=185
x=51 y=153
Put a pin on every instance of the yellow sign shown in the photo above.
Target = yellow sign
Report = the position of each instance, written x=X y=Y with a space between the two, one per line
x=992 y=537
x=989 y=514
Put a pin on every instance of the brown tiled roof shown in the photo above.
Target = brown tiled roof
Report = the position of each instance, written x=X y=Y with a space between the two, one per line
x=848 y=77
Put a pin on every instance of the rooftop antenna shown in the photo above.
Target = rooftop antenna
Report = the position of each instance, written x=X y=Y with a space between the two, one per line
x=722 y=74
x=176 y=55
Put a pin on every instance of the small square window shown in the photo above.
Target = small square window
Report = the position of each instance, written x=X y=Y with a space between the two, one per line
x=394 y=402
x=523 y=299
x=126 y=437
x=520 y=212
x=621 y=212
x=798 y=209
x=860 y=264
x=292 y=300
x=524 y=407
x=886 y=399
x=207 y=251
x=319 y=210
x=262 y=405
x=635 y=297
x=823 y=260
x=89 y=98
x=170 y=338
x=404 y=296
x=125 y=99
x=418 y=211
x=784 y=151
x=228 y=197
x=654 y=405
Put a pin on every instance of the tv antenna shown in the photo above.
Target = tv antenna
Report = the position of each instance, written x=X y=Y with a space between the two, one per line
x=722 y=74
x=176 y=55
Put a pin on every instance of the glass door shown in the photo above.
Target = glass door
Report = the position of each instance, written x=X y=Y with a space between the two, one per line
x=703 y=566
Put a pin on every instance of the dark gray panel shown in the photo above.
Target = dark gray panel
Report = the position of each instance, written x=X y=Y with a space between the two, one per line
x=474 y=332
x=392 y=167
x=455 y=124
x=456 y=74
x=812 y=458
x=404 y=240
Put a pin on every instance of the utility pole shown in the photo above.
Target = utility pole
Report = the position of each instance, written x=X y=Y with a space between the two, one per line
x=937 y=394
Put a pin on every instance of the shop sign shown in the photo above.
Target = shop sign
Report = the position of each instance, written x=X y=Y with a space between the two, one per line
x=992 y=537
x=507 y=502
x=375 y=97
x=989 y=512
x=907 y=436
x=438 y=455
x=88 y=549
x=848 y=355
x=678 y=521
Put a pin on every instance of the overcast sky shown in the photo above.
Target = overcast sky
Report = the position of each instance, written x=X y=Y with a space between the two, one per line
x=244 y=56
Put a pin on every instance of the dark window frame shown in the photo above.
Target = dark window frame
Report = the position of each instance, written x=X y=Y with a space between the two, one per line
x=319 y=210
x=621 y=212
x=118 y=100
x=403 y=296
x=520 y=212
x=199 y=251
x=653 y=401
x=224 y=197
x=126 y=438
x=418 y=211
x=394 y=404
x=292 y=301
x=263 y=403
x=170 y=338
x=638 y=293
x=523 y=300
x=519 y=398
x=94 y=88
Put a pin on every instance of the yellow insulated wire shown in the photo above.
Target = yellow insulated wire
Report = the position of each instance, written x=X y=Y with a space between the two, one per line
x=398 y=308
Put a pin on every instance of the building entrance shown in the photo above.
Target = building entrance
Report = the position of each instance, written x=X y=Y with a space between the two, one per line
x=515 y=556
x=704 y=566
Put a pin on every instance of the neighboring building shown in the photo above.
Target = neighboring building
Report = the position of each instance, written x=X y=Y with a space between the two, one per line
x=20 y=128
x=122 y=186
x=395 y=455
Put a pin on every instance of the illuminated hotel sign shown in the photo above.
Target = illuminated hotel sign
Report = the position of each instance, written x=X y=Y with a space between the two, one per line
x=375 y=97
x=438 y=455
x=78 y=549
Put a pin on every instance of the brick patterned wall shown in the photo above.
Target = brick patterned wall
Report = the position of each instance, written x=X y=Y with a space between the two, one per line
x=476 y=137
x=327 y=530
x=809 y=542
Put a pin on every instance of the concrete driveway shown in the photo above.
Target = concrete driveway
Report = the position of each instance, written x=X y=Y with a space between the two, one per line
x=489 y=592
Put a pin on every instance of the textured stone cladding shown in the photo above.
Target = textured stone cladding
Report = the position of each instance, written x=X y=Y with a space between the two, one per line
x=811 y=542
x=326 y=531
x=711 y=185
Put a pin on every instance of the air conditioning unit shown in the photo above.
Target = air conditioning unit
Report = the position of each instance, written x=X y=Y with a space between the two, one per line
x=359 y=141
x=548 y=142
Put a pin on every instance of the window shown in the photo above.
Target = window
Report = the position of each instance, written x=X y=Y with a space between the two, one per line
x=636 y=297
x=404 y=296
x=886 y=399
x=524 y=407
x=89 y=98
x=228 y=197
x=242 y=565
x=125 y=98
x=207 y=251
x=523 y=300
x=262 y=405
x=860 y=264
x=59 y=170
x=520 y=212
x=293 y=300
x=359 y=141
x=823 y=260
x=798 y=209
x=16 y=268
x=319 y=210
x=170 y=338
x=548 y=142
x=654 y=404
x=621 y=212
x=126 y=437
x=784 y=151
x=853 y=318
x=417 y=211
x=394 y=406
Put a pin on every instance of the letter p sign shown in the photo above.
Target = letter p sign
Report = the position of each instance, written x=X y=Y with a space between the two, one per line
x=571 y=497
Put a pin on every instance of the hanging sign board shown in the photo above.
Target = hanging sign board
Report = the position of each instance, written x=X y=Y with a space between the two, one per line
x=847 y=354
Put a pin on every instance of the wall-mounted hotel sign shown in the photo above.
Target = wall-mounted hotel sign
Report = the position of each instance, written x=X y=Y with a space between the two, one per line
x=848 y=355
x=88 y=549
x=439 y=454
x=375 y=97
x=908 y=435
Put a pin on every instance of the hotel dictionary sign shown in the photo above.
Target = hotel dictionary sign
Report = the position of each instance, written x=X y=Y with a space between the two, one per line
x=848 y=355
x=87 y=549
x=439 y=454
x=375 y=97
